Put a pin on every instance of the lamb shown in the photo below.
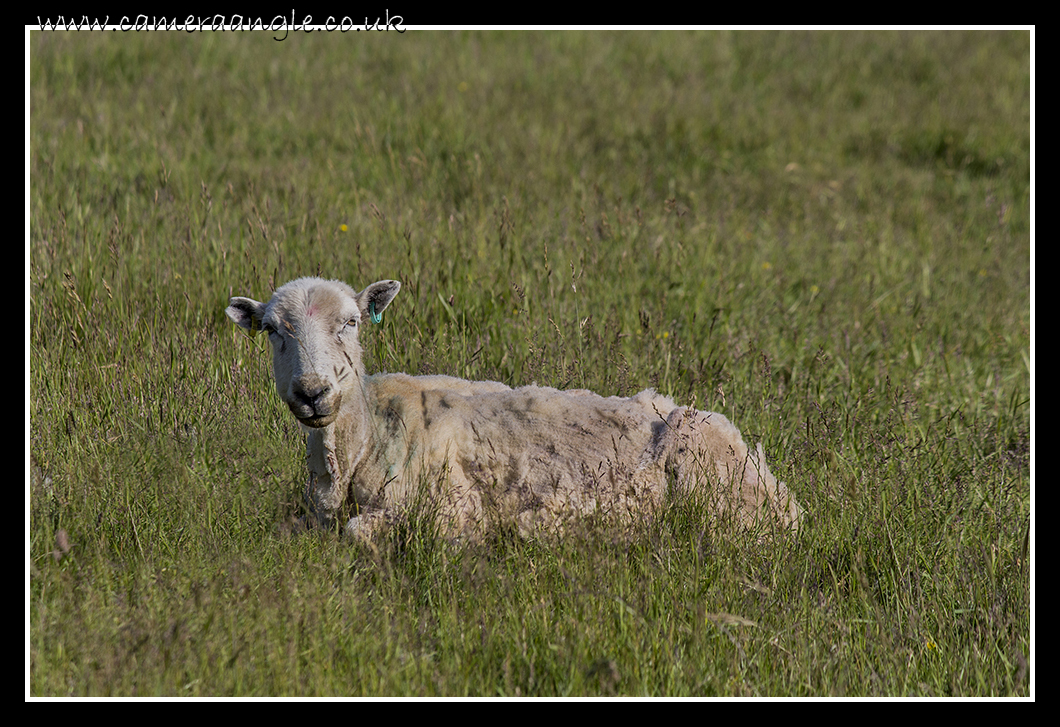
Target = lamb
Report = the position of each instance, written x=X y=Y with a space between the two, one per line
x=533 y=458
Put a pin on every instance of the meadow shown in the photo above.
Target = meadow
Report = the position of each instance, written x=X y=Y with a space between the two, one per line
x=826 y=236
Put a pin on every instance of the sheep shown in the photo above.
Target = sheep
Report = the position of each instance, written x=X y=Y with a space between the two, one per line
x=533 y=458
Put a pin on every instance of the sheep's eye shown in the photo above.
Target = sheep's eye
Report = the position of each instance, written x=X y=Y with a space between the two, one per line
x=352 y=322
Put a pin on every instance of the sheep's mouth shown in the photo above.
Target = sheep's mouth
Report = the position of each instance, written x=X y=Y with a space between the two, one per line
x=316 y=421
x=316 y=411
x=313 y=416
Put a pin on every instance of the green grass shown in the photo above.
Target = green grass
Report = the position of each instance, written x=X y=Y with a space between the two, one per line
x=825 y=236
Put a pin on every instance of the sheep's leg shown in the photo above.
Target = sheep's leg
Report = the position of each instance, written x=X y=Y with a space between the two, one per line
x=366 y=525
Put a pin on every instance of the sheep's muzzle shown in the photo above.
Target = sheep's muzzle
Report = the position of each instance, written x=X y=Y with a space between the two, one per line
x=315 y=406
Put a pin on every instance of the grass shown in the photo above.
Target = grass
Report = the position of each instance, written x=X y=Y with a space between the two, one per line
x=823 y=235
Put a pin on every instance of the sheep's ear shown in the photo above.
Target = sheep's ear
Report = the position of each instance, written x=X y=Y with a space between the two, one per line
x=374 y=299
x=246 y=313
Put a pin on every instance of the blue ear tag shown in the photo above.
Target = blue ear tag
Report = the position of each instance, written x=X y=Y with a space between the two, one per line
x=376 y=317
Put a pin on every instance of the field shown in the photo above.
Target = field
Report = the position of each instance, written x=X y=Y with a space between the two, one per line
x=826 y=236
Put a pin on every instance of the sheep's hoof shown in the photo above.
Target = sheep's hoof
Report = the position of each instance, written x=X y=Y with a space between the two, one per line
x=359 y=527
x=354 y=526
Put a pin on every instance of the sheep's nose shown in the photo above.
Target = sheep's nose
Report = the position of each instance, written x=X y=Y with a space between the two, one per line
x=311 y=396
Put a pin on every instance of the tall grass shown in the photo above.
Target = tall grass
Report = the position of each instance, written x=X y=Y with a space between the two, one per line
x=823 y=235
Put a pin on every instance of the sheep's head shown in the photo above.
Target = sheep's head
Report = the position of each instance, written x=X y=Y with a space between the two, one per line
x=313 y=326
